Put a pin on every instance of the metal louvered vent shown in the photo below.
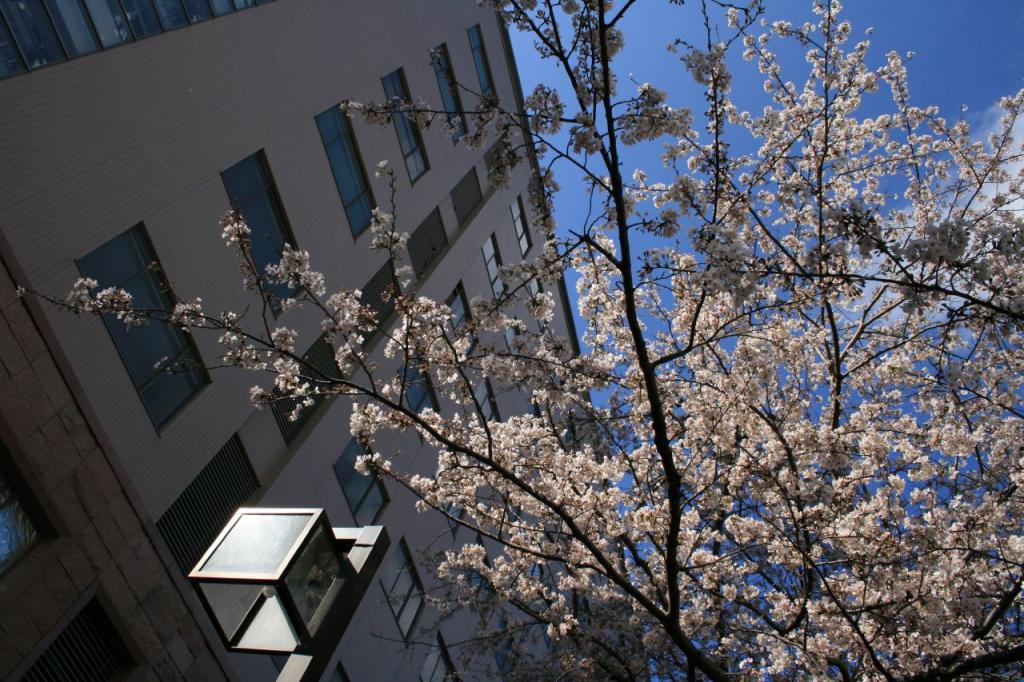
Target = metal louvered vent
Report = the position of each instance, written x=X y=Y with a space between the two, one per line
x=320 y=366
x=466 y=196
x=202 y=509
x=379 y=292
x=87 y=650
x=426 y=242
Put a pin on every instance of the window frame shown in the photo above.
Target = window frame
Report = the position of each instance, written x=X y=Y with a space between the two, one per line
x=492 y=264
x=440 y=655
x=268 y=189
x=375 y=483
x=409 y=374
x=478 y=48
x=489 y=407
x=141 y=243
x=447 y=85
x=402 y=122
x=407 y=564
x=352 y=148
x=522 y=228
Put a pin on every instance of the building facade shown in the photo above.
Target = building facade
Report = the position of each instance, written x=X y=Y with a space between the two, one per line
x=126 y=129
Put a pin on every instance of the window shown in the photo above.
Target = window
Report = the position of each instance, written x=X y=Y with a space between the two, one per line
x=438 y=666
x=418 y=393
x=403 y=588
x=492 y=261
x=476 y=579
x=364 y=493
x=251 y=189
x=484 y=397
x=141 y=17
x=522 y=229
x=17 y=531
x=34 y=33
x=87 y=649
x=408 y=134
x=483 y=66
x=453 y=514
x=459 y=307
x=200 y=512
x=449 y=90
x=347 y=166
x=160 y=358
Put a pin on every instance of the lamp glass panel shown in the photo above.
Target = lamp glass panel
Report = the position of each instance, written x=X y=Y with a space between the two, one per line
x=257 y=543
x=270 y=629
x=313 y=574
x=230 y=603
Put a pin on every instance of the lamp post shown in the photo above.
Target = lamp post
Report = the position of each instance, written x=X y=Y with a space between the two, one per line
x=283 y=581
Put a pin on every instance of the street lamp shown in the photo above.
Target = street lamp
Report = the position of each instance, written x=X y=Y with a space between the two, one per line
x=283 y=581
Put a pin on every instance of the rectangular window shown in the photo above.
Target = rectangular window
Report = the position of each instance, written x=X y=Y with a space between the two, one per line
x=483 y=66
x=73 y=27
x=347 y=167
x=408 y=133
x=30 y=25
x=492 y=261
x=251 y=189
x=160 y=358
x=403 y=588
x=365 y=494
x=438 y=665
x=484 y=397
x=419 y=395
x=201 y=510
x=87 y=649
x=17 y=531
x=110 y=22
x=459 y=307
x=10 y=60
x=141 y=17
x=449 y=90
x=172 y=14
x=522 y=229
x=453 y=514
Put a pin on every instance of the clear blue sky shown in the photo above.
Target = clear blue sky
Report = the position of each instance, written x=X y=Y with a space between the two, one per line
x=966 y=52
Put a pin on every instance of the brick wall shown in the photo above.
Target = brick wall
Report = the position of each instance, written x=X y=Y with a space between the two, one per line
x=95 y=543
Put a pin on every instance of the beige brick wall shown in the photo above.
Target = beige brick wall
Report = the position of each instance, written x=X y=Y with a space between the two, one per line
x=98 y=546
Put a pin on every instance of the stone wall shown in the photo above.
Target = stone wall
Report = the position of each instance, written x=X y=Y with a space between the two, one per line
x=95 y=543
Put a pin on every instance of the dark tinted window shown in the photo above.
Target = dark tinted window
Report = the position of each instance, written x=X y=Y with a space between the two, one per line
x=252 y=191
x=449 y=90
x=408 y=134
x=364 y=493
x=160 y=358
x=347 y=167
x=483 y=66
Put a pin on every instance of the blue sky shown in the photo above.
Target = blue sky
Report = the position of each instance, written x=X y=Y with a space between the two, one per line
x=966 y=52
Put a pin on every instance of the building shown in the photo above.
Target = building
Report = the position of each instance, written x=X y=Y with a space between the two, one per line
x=125 y=131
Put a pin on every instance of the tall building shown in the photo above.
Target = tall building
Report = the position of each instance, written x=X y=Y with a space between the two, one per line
x=126 y=129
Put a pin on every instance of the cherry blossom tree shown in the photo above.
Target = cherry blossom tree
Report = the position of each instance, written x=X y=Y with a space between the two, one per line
x=806 y=458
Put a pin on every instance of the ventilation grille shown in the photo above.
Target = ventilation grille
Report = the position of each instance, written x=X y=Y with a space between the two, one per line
x=379 y=293
x=426 y=242
x=320 y=366
x=85 y=651
x=466 y=196
x=202 y=509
